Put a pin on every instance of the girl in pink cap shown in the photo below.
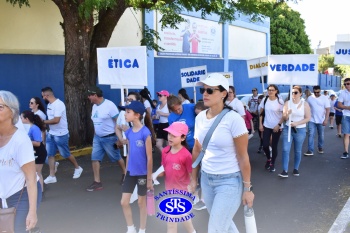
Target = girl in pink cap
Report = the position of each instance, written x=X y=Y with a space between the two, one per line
x=177 y=163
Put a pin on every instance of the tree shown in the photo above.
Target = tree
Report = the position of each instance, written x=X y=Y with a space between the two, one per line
x=88 y=24
x=287 y=30
x=327 y=61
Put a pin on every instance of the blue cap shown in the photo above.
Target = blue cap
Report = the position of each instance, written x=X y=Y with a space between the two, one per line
x=136 y=106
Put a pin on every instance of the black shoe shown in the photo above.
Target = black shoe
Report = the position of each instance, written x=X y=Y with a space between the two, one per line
x=260 y=149
x=122 y=179
x=295 y=172
x=267 y=164
x=95 y=186
x=272 y=168
x=308 y=153
x=320 y=151
x=345 y=155
x=283 y=174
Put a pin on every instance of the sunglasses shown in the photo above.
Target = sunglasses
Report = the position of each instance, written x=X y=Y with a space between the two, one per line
x=254 y=90
x=316 y=92
x=295 y=92
x=31 y=102
x=346 y=84
x=209 y=90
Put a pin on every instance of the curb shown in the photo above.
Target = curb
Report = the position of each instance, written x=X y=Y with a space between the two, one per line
x=342 y=222
x=76 y=153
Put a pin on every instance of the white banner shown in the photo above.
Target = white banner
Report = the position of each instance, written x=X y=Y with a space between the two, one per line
x=127 y=87
x=123 y=66
x=192 y=75
x=342 y=53
x=293 y=69
x=257 y=67
x=228 y=75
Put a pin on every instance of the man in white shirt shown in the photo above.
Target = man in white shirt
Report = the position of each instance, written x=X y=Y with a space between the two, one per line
x=58 y=135
x=344 y=103
x=104 y=115
x=320 y=106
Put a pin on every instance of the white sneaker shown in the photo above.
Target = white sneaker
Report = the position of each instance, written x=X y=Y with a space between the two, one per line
x=77 y=173
x=50 y=180
x=56 y=166
x=132 y=231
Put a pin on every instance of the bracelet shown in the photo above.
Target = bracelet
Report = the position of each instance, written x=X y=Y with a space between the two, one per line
x=245 y=182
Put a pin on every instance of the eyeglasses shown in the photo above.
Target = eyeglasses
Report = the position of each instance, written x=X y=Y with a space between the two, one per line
x=2 y=106
x=31 y=102
x=316 y=92
x=271 y=90
x=295 y=92
x=346 y=84
x=254 y=90
x=209 y=90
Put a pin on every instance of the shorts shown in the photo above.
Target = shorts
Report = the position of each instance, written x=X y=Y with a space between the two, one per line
x=105 y=145
x=161 y=134
x=338 y=119
x=345 y=125
x=331 y=114
x=60 y=143
x=40 y=154
x=131 y=181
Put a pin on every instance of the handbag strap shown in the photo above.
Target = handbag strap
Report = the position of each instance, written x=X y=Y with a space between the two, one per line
x=208 y=136
x=18 y=198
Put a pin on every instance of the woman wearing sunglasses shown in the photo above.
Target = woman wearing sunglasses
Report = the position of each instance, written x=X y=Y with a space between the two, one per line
x=271 y=107
x=37 y=107
x=298 y=110
x=162 y=113
x=225 y=167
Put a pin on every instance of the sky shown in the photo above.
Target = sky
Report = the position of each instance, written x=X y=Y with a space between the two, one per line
x=324 y=19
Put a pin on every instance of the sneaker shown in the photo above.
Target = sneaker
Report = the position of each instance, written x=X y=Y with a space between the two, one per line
x=77 y=173
x=283 y=174
x=272 y=168
x=295 y=172
x=56 y=166
x=133 y=230
x=260 y=149
x=267 y=164
x=95 y=186
x=199 y=206
x=320 y=150
x=122 y=179
x=339 y=135
x=345 y=155
x=308 y=153
x=50 y=180
x=250 y=136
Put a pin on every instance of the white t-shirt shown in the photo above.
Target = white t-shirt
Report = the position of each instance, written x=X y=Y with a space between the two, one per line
x=298 y=112
x=237 y=105
x=318 y=108
x=186 y=101
x=273 y=112
x=147 y=105
x=163 y=119
x=40 y=114
x=17 y=152
x=331 y=103
x=220 y=156
x=344 y=97
x=104 y=117
x=254 y=103
x=57 y=109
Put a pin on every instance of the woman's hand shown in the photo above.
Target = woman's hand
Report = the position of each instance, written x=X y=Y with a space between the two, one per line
x=31 y=220
x=247 y=198
x=192 y=186
x=149 y=184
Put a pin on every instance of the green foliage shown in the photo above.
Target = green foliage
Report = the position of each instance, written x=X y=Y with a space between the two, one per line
x=287 y=29
x=327 y=61
x=20 y=3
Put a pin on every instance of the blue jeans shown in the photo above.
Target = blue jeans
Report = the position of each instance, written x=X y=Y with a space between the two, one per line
x=222 y=195
x=298 y=139
x=22 y=208
x=320 y=131
x=102 y=145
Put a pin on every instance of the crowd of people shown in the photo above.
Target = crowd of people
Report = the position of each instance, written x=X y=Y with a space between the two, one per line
x=203 y=134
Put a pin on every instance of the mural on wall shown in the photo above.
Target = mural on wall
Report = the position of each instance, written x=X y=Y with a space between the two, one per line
x=194 y=38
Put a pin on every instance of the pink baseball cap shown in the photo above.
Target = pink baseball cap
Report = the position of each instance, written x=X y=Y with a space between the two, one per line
x=163 y=92
x=177 y=128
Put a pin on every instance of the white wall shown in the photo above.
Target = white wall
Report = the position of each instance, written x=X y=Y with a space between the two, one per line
x=246 y=43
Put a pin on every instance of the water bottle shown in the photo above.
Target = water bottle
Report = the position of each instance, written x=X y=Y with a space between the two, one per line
x=249 y=220
x=151 y=209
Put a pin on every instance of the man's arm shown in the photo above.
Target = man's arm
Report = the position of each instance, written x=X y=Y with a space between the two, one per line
x=53 y=121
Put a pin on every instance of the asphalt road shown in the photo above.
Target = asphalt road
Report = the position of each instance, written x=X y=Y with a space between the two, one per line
x=306 y=204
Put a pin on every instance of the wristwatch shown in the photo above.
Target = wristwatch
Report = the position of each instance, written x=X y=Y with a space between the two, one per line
x=248 y=189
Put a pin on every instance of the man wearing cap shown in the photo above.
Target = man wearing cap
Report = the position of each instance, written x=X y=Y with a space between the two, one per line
x=58 y=135
x=104 y=115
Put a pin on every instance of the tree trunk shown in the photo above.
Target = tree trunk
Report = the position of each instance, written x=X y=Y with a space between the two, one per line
x=80 y=63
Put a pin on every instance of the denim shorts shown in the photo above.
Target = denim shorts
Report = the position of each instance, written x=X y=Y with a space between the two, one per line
x=105 y=145
x=345 y=125
x=60 y=143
